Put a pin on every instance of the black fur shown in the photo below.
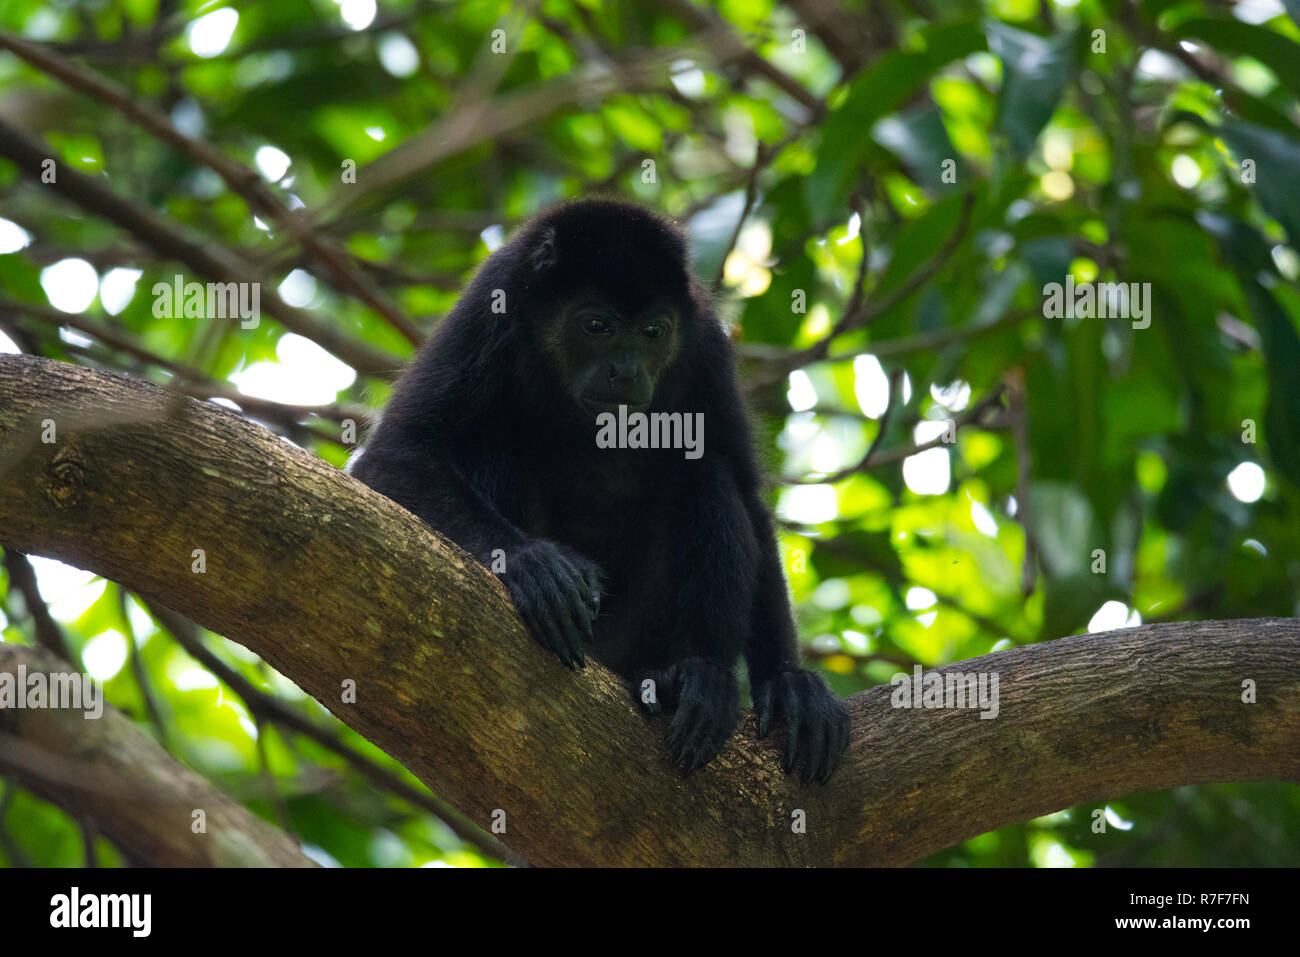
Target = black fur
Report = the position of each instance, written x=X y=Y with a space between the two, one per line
x=666 y=565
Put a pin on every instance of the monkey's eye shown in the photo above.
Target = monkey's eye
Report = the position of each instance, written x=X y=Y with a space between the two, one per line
x=595 y=326
x=653 y=331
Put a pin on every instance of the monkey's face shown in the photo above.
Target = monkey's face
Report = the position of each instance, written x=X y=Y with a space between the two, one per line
x=609 y=356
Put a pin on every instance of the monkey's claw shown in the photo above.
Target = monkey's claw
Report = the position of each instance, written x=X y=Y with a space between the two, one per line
x=703 y=696
x=557 y=594
x=816 y=722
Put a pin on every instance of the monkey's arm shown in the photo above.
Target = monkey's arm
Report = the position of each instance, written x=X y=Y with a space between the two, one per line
x=707 y=611
x=556 y=591
x=772 y=646
x=434 y=488
x=817 y=722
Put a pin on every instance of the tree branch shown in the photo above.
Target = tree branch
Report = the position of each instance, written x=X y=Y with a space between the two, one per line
x=330 y=582
x=263 y=704
x=329 y=262
x=861 y=314
x=188 y=379
x=22 y=579
x=208 y=258
x=114 y=778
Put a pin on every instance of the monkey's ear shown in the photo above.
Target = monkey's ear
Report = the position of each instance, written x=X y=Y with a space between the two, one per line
x=546 y=253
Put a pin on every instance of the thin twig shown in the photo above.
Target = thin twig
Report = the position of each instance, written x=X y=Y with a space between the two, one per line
x=22 y=578
x=242 y=180
x=207 y=257
x=751 y=190
x=782 y=364
x=874 y=457
x=141 y=673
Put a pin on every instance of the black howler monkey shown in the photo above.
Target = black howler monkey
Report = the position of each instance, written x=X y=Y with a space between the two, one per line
x=663 y=560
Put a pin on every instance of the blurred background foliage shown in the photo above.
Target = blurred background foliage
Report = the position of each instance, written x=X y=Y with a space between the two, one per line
x=881 y=190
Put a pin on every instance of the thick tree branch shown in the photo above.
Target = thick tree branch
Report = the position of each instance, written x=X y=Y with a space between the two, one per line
x=109 y=774
x=188 y=379
x=331 y=583
x=265 y=705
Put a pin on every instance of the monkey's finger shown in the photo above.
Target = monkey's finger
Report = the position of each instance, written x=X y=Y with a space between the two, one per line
x=577 y=621
x=573 y=636
x=686 y=723
x=574 y=594
x=669 y=686
x=554 y=640
x=709 y=722
x=704 y=753
x=588 y=620
x=693 y=750
x=685 y=755
x=822 y=743
x=563 y=643
x=679 y=729
x=818 y=747
x=567 y=622
x=805 y=761
x=793 y=725
x=531 y=594
x=829 y=735
x=581 y=581
x=719 y=732
x=763 y=705
x=582 y=586
x=592 y=580
x=543 y=635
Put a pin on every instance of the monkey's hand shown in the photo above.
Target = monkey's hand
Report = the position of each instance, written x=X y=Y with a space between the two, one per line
x=704 y=697
x=557 y=593
x=816 y=722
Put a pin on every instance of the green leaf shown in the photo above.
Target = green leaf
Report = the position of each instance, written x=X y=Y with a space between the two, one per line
x=1281 y=347
x=770 y=317
x=1275 y=51
x=920 y=240
x=877 y=92
x=857 y=550
x=1276 y=158
x=1243 y=245
x=711 y=230
x=1068 y=603
x=1035 y=71
x=1063 y=527
x=919 y=139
